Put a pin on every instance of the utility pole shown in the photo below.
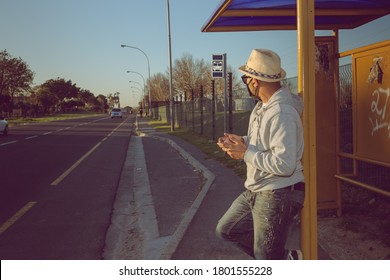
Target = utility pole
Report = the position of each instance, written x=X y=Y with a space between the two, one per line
x=170 y=71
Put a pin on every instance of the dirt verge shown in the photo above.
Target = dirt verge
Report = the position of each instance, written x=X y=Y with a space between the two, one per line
x=363 y=230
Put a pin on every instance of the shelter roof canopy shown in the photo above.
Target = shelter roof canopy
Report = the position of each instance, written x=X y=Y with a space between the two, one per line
x=252 y=15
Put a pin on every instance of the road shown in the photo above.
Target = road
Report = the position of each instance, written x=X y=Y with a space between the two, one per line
x=58 y=182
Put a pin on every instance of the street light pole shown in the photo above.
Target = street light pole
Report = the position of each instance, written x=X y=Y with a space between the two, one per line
x=137 y=101
x=147 y=58
x=142 y=100
x=136 y=83
x=143 y=78
x=140 y=91
x=170 y=69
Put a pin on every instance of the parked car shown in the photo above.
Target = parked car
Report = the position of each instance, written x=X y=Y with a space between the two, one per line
x=116 y=113
x=3 y=126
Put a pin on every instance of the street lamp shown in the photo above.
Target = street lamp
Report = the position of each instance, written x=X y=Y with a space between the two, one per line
x=141 y=101
x=141 y=92
x=143 y=78
x=136 y=83
x=147 y=58
x=135 y=94
x=170 y=69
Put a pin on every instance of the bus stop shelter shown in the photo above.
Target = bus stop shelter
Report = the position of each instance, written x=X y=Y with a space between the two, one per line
x=319 y=116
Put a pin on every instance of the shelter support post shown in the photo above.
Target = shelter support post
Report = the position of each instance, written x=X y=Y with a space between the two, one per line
x=306 y=87
x=337 y=81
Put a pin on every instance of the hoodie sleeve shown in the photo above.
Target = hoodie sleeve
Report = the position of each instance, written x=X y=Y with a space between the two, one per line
x=280 y=158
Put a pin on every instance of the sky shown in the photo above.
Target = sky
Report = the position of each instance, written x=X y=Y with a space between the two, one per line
x=79 y=40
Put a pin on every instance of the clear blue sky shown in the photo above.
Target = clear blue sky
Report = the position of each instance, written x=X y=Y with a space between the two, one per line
x=80 y=39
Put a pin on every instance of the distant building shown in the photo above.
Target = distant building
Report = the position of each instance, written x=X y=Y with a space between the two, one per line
x=244 y=104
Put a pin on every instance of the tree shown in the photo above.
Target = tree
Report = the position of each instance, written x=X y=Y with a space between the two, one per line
x=5 y=102
x=113 y=100
x=103 y=103
x=62 y=89
x=88 y=100
x=64 y=92
x=159 y=87
x=190 y=74
x=54 y=94
x=45 y=99
x=86 y=96
x=15 y=77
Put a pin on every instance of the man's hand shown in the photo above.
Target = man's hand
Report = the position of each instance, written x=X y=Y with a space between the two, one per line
x=233 y=145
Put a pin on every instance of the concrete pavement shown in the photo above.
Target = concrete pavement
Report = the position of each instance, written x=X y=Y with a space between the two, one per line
x=176 y=197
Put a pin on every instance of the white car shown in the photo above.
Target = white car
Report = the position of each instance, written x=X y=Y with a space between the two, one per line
x=3 y=126
x=116 y=113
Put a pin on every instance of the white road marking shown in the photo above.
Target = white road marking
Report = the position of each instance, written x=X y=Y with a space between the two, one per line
x=7 y=143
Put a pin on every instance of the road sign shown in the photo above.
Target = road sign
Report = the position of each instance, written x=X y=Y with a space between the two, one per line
x=218 y=66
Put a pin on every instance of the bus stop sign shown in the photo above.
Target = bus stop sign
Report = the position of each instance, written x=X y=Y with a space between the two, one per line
x=218 y=66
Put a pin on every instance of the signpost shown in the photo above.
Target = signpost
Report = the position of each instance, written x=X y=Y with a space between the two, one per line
x=218 y=66
x=218 y=71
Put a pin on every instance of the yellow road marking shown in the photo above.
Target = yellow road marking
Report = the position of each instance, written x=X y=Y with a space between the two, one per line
x=16 y=216
x=67 y=172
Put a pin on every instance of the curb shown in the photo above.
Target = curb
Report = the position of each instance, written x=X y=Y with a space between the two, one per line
x=177 y=236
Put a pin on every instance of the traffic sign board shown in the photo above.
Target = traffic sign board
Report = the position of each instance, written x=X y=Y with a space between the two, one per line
x=218 y=66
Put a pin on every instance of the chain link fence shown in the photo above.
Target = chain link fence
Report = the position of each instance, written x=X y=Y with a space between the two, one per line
x=206 y=115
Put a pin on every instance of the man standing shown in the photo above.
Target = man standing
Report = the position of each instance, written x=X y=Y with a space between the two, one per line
x=258 y=221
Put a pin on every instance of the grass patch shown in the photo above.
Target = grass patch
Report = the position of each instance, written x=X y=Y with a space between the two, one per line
x=56 y=117
x=209 y=147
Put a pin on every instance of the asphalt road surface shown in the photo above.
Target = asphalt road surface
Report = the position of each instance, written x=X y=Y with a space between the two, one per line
x=58 y=182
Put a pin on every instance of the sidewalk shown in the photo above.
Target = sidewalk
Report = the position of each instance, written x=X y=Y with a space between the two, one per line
x=190 y=193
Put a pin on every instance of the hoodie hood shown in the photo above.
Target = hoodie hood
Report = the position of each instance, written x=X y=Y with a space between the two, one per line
x=284 y=96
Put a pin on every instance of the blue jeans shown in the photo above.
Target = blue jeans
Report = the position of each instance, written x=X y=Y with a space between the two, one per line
x=258 y=222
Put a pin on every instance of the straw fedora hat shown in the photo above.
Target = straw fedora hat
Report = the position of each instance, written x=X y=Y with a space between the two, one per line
x=264 y=65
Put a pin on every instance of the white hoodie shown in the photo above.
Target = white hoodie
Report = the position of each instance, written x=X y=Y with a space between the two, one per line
x=275 y=143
